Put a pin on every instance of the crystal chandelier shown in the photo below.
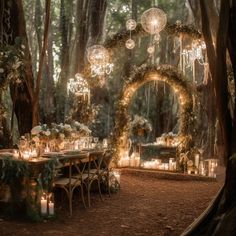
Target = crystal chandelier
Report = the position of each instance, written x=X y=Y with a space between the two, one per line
x=78 y=86
x=196 y=52
x=99 y=59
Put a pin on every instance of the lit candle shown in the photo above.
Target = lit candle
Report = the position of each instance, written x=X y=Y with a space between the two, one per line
x=51 y=208
x=43 y=206
x=26 y=155
x=47 y=149
x=33 y=153
x=16 y=154
x=196 y=159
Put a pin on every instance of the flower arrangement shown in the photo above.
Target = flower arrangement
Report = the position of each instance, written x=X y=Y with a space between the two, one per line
x=59 y=132
x=140 y=126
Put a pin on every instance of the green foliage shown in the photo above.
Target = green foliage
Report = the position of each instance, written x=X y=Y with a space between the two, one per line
x=11 y=64
x=13 y=171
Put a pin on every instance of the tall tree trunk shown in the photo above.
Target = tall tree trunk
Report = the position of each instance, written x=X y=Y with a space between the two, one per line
x=65 y=19
x=23 y=98
x=219 y=219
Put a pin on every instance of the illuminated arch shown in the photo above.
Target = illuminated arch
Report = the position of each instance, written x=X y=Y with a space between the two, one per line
x=144 y=74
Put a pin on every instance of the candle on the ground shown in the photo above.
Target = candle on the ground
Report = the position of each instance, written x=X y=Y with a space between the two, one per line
x=51 y=208
x=43 y=206
x=117 y=176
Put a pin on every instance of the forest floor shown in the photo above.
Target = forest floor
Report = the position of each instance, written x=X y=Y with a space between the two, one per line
x=144 y=205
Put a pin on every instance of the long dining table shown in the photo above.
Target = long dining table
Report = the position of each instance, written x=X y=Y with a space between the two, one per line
x=27 y=179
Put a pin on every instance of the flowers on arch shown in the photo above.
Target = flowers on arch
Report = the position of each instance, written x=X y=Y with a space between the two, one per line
x=140 y=126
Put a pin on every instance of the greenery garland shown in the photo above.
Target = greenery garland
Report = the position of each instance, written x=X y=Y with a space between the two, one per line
x=177 y=29
x=118 y=40
x=140 y=76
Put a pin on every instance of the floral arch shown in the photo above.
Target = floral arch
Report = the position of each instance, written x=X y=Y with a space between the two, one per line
x=168 y=74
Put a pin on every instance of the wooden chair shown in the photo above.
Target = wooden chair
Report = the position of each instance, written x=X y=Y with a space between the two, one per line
x=98 y=170
x=92 y=174
x=75 y=163
x=105 y=169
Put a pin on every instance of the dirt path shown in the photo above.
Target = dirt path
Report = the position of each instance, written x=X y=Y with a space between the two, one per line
x=144 y=206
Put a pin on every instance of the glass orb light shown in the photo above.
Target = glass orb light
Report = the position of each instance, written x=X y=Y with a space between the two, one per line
x=131 y=24
x=98 y=55
x=130 y=44
x=153 y=20
x=151 y=49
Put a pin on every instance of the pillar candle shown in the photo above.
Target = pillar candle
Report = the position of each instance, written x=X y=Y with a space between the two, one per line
x=51 y=208
x=43 y=206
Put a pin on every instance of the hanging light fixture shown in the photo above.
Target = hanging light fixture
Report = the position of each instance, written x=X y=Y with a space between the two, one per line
x=99 y=58
x=130 y=25
x=78 y=86
x=130 y=44
x=153 y=20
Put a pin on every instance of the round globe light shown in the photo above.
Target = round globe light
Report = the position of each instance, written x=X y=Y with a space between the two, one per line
x=98 y=55
x=131 y=24
x=153 y=20
x=130 y=44
x=151 y=49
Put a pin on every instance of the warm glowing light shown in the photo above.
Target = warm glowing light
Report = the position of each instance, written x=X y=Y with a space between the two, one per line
x=130 y=44
x=131 y=24
x=99 y=58
x=153 y=20
x=78 y=85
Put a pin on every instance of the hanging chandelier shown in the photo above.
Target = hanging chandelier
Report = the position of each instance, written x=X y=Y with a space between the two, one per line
x=78 y=86
x=99 y=59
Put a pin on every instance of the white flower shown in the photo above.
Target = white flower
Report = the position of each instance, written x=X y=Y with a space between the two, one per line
x=36 y=139
x=47 y=133
x=77 y=123
x=36 y=130
x=67 y=127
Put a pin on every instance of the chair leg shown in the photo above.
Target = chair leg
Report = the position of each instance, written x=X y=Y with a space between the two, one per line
x=99 y=189
x=108 y=186
x=88 y=192
x=70 y=204
x=82 y=195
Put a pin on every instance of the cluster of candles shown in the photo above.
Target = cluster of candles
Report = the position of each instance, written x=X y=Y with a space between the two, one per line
x=212 y=165
x=172 y=141
x=47 y=204
x=132 y=161
x=205 y=168
x=157 y=164
x=25 y=155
